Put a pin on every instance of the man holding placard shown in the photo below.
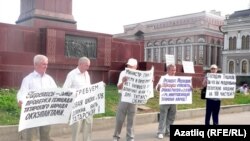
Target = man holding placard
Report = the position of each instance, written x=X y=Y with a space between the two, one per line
x=167 y=111
x=124 y=108
x=78 y=78
x=212 y=104
x=37 y=80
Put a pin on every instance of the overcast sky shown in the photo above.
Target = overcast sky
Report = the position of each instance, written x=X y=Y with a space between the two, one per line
x=109 y=16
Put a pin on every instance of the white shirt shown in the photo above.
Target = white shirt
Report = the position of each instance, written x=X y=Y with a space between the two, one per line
x=76 y=79
x=122 y=74
x=34 y=81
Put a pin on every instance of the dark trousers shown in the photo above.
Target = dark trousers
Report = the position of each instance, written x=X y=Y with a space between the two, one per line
x=212 y=108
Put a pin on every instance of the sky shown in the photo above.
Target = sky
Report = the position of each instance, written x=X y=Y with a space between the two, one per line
x=109 y=16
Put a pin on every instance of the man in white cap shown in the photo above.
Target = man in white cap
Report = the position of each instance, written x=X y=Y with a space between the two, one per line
x=212 y=104
x=125 y=108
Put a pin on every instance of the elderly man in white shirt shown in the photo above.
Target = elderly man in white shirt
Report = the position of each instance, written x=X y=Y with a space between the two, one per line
x=36 y=80
x=78 y=78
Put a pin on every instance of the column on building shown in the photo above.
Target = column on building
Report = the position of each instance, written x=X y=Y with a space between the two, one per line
x=225 y=65
x=194 y=58
x=163 y=58
x=146 y=54
x=215 y=55
x=191 y=54
x=152 y=54
x=219 y=54
x=159 y=54
x=182 y=52
x=226 y=42
x=209 y=55
x=175 y=57
x=238 y=43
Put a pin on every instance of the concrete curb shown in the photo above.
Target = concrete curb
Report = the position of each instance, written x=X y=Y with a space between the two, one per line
x=10 y=133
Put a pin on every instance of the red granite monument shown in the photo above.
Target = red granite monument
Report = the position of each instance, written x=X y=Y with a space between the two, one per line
x=48 y=27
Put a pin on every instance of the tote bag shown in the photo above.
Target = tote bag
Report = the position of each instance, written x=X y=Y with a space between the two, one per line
x=203 y=92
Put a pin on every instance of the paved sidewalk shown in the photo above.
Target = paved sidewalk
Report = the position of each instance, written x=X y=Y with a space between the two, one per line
x=147 y=132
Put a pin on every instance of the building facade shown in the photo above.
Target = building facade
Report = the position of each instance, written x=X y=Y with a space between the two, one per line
x=192 y=37
x=236 y=52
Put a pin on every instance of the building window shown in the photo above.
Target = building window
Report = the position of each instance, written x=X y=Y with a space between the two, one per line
x=201 y=50
x=171 y=50
x=247 y=42
x=187 y=53
x=187 y=50
x=150 y=44
x=163 y=43
x=157 y=43
x=230 y=43
x=149 y=54
x=163 y=52
x=218 y=42
x=243 y=42
x=231 y=67
x=155 y=54
x=201 y=40
x=171 y=42
x=244 y=66
x=234 y=43
x=179 y=54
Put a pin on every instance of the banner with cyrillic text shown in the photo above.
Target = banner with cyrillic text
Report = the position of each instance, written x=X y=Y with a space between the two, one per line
x=46 y=107
x=139 y=86
x=89 y=101
x=176 y=90
x=220 y=85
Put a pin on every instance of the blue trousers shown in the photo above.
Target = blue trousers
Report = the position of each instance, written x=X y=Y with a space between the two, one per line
x=212 y=108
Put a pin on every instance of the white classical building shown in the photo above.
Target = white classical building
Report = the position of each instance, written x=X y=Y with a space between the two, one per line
x=236 y=52
x=192 y=37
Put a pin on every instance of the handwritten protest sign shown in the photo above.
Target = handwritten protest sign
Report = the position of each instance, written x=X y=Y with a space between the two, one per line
x=176 y=90
x=46 y=107
x=90 y=100
x=139 y=86
x=221 y=85
x=188 y=66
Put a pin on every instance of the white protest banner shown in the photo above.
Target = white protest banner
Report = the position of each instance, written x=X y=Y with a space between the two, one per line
x=176 y=90
x=188 y=66
x=46 y=107
x=139 y=86
x=220 y=85
x=170 y=59
x=90 y=100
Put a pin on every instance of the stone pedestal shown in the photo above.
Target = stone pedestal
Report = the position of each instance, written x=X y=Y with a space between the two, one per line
x=46 y=13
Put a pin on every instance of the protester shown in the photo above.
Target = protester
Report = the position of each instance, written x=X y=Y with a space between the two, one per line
x=167 y=111
x=78 y=78
x=125 y=109
x=36 y=80
x=212 y=104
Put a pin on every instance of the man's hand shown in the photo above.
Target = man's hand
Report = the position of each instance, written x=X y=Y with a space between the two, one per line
x=20 y=104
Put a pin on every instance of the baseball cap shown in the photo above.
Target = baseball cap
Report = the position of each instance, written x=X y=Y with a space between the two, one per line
x=132 y=62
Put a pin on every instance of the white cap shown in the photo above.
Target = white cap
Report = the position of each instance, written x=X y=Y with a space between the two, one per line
x=213 y=66
x=132 y=62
